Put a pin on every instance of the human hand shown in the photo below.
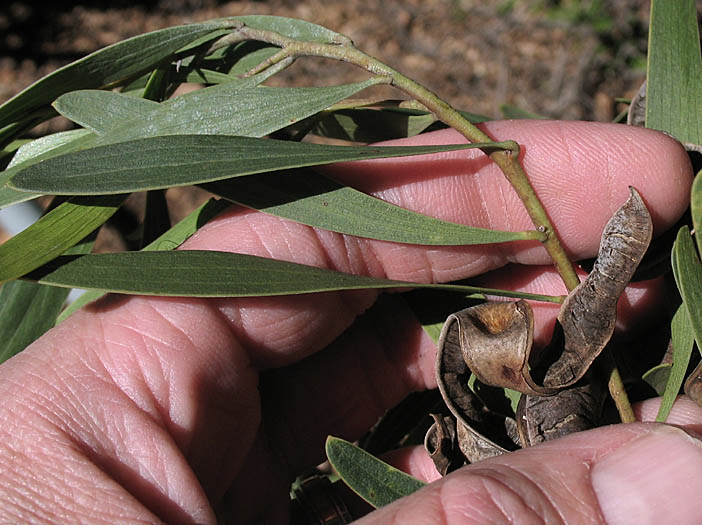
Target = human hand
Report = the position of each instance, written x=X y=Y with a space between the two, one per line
x=140 y=409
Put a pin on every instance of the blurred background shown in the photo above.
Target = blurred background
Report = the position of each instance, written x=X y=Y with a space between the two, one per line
x=566 y=59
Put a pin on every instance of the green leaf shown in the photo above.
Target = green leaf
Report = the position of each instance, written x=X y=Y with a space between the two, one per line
x=307 y=198
x=674 y=77
x=682 y=339
x=233 y=109
x=310 y=198
x=106 y=67
x=179 y=160
x=657 y=377
x=54 y=233
x=46 y=144
x=40 y=149
x=374 y=125
x=206 y=76
x=27 y=310
x=102 y=111
x=372 y=479
x=293 y=28
x=195 y=273
x=170 y=240
x=696 y=209
x=688 y=273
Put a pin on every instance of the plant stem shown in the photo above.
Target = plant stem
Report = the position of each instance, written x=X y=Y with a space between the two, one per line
x=506 y=159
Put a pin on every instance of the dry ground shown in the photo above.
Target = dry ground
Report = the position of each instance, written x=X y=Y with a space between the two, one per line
x=563 y=59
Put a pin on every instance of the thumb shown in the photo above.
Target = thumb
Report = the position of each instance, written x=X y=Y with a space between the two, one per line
x=638 y=473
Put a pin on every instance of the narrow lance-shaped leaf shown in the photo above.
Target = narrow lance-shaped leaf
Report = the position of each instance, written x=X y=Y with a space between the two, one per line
x=364 y=124
x=293 y=28
x=101 y=111
x=687 y=270
x=195 y=273
x=372 y=479
x=674 y=76
x=40 y=149
x=28 y=309
x=163 y=162
x=305 y=197
x=105 y=67
x=54 y=233
x=682 y=339
x=310 y=198
x=696 y=209
x=689 y=279
x=225 y=109
x=168 y=241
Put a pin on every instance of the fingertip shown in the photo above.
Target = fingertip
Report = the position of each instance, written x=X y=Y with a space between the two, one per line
x=582 y=172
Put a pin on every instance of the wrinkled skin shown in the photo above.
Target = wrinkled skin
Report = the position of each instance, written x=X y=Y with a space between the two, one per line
x=147 y=409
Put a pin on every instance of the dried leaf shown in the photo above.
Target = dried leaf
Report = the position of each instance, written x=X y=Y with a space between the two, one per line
x=440 y=443
x=571 y=410
x=494 y=340
x=588 y=314
x=636 y=116
x=474 y=420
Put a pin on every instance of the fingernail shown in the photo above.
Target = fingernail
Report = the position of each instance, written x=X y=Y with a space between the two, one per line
x=653 y=479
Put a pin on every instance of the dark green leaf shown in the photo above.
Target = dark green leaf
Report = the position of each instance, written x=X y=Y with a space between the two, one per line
x=657 y=377
x=232 y=109
x=27 y=310
x=102 y=111
x=374 y=125
x=683 y=340
x=674 y=77
x=35 y=151
x=195 y=273
x=372 y=479
x=54 y=233
x=168 y=241
x=696 y=209
x=163 y=162
x=309 y=198
x=293 y=28
x=106 y=67
x=688 y=273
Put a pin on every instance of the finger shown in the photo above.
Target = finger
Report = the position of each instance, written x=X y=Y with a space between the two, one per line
x=580 y=170
x=618 y=475
x=383 y=357
x=685 y=413
x=187 y=370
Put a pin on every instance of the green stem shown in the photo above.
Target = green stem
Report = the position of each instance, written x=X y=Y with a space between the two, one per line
x=506 y=160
